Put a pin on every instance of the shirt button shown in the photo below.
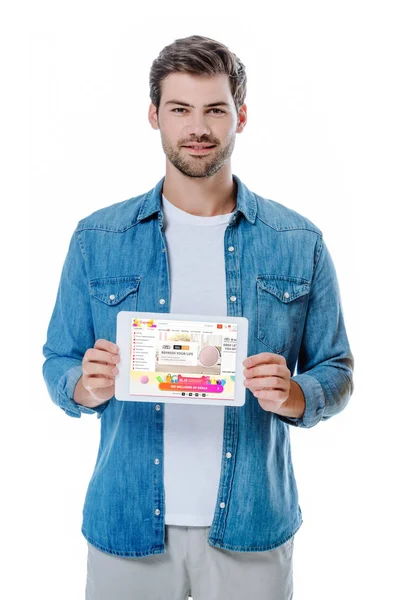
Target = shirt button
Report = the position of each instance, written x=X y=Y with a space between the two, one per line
x=222 y=505
x=228 y=455
x=233 y=298
x=161 y=301
x=112 y=297
x=157 y=407
x=286 y=294
x=156 y=461
x=157 y=511
x=231 y=248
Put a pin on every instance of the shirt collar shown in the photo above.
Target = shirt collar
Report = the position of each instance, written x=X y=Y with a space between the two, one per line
x=245 y=202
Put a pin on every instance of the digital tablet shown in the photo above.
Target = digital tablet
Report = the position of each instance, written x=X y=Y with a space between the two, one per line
x=185 y=359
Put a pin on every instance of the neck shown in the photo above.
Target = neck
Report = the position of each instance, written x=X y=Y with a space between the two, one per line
x=201 y=196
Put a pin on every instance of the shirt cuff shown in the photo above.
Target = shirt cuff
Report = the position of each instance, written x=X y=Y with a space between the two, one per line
x=315 y=402
x=66 y=388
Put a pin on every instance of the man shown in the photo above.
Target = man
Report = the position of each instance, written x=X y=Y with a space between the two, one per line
x=198 y=500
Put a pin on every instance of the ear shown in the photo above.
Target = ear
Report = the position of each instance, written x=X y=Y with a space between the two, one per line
x=242 y=118
x=153 y=119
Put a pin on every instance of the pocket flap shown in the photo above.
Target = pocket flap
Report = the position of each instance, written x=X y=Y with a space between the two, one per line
x=285 y=288
x=112 y=290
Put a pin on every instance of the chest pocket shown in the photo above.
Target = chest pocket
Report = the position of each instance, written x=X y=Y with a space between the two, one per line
x=281 y=305
x=113 y=294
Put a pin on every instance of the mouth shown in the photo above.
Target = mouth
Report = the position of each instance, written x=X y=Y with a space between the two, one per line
x=199 y=149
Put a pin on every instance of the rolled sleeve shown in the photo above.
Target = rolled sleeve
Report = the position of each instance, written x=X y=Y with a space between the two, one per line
x=314 y=400
x=66 y=387
x=325 y=363
x=70 y=333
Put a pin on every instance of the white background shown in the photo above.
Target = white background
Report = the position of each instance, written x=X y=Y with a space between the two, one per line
x=322 y=138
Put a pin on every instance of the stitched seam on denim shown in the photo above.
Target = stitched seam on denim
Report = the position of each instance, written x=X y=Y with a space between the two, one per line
x=84 y=256
x=295 y=228
x=106 y=228
x=319 y=252
x=277 y=207
x=261 y=548
x=115 y=552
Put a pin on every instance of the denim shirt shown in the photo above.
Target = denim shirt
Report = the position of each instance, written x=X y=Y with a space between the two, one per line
x=280 y=276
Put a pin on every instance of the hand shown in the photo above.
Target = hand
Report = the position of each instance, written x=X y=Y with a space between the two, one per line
x=268 y=378
x=99 y=370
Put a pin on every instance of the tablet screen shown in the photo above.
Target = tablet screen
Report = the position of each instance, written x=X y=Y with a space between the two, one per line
x=183 y=358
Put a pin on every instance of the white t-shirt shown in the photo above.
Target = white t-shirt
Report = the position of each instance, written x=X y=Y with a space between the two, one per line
x=193 y=435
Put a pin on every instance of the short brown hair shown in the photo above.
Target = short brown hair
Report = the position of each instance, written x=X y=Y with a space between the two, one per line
x=198 y=55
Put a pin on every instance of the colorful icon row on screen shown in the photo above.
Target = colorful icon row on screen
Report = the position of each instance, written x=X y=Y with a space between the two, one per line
x=175 y=378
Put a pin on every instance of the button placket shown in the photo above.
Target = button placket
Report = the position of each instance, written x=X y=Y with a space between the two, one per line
x=234 y=307
x=156 y=460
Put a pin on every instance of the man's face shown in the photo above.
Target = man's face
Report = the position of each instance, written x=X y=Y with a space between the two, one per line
x=185 y=118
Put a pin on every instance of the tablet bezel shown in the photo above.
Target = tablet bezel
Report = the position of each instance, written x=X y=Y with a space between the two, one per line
x=123 y=341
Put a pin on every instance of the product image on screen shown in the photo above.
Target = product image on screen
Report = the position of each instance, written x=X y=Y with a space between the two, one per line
x=182 y=358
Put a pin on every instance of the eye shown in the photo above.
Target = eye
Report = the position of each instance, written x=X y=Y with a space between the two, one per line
x=217 y=109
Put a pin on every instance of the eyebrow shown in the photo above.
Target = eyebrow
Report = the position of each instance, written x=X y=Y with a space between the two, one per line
x=191 y=105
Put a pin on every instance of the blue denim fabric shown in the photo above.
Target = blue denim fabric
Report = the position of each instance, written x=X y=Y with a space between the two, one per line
x=285 y=283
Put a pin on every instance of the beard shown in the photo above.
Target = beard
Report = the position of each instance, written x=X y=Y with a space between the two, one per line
x=204 y=165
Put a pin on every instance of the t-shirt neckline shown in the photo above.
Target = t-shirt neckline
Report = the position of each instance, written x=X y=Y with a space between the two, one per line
x=173 y=213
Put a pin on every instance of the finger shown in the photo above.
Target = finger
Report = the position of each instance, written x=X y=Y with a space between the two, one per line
x=263 y=357
x=102 y=344
x=94 y=383
x=101 y=356
x=266 y=382
x=266 y=370
x=272 y=396
x=94 y=368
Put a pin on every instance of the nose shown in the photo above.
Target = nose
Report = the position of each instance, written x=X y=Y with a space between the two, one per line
x=197 y=127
